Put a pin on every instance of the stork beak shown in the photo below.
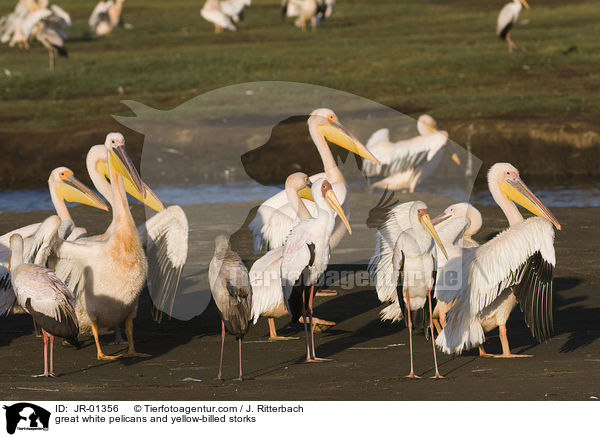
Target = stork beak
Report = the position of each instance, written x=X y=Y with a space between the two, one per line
x=305 y=193
x=122 y=163
x=524 y=2
x=72 y=190
x=516 y=190
x=425 y=220
x=333 y=201
x=336 y=133
x=440 y=219
x=150 y=199
x=455 y=158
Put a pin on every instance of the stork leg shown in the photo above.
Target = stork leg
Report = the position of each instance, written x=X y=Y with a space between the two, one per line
x=99 y=354
x=240 y=355
x=51 y=337
x=129 y=333
x=273 y=336
x=312 y=326
x=222 y=344
x=412 y=373
x=304 y=319
x=505 y=347
x=509 y=41
x=46 y=373
x=437 y=372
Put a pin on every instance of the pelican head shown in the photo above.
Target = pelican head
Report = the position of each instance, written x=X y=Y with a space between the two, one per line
x=420 y=212
x=462 y=209
x=426 y=124
x=300 y=183
x=221 y=244
x=504 y=181
x=69 y=189
x=120 y=162
x=330 y=128
x=323 y=194
x=96 y=162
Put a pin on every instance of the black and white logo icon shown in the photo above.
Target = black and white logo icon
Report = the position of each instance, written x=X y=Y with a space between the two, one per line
x=26 y=416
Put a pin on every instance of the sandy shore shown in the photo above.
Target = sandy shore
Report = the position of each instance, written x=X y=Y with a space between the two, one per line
x=369 y=357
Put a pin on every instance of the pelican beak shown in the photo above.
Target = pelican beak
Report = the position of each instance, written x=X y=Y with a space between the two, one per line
x=524 y=2
x=516 y=190
x=336 y=133
x=72 y=190
x=440 y=219
x=425 y=220
x=305 y=193
x=455 y=158
x=333 y=201
x=121 y=163
x=149 y=199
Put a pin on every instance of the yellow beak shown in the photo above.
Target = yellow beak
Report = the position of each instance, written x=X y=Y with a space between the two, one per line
x=337 y=134
x=455 y=158
x=335 y=205
x=524 y=2
x=305 y=193
x=428 y=225
x=150 y=199
x=518 y=192
x=72 y=190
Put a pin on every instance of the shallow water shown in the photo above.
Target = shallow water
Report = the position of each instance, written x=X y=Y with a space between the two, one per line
x=577 y=195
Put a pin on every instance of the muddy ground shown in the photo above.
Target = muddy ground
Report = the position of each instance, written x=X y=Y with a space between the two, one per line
x=368 y=357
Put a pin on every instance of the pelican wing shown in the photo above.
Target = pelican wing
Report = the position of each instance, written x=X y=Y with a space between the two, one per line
x=7 y=295
x=382 y=268
x=413 y=154
x=215 y=15
x=298 y=254
x=33 y=18
x=165 y=236
x=60 y=16
x=100 y=13
x=44 y=241
x=521 y=257
x=265 y=278
x=380 y=146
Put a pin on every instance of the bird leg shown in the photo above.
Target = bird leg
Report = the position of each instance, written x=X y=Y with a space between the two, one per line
x=412 y=373
x=443 y=319
x=129 y=333
x=483 y=353
x=505 y=347
x=99 y=354
x=437 y=372
x=304 y=318
x=273 y=336
x=313 y=22
x=438 y=328
x=312 y=326
x=46 y=373
x=222 y=344
x=240 y=355
x=51 y=354
x=511 y=44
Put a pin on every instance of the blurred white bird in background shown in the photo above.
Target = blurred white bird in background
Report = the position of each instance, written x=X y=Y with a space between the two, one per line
x=224 y=13
x=507 y=18
x=106 y=16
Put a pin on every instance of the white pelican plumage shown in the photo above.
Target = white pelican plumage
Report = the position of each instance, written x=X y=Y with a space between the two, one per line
x=45 y=297
x=455 y=227
x=230 y=288
x=39 y=237
x=112 y=271
x=405 y=163
x=265 y=274
x=212 y=12
x=164 y=235
x=306 y=254
x=106 y=16
x=234 y=8
x=275 y=218
x=515 y=266
x=403 y=267
x=507 y=18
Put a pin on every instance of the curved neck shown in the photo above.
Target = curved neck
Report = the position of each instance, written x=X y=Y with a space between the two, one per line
x=297 y=203
x=99 y=181
x=509 y=209
x=120 y=207
x=332 y=171
x=59 y=204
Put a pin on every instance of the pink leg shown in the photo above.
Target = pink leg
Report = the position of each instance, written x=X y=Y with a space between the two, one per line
x=45 y=336
x=312 y=326
x=412 y=373
x=222 y=344
x=437 y=373
x=51 y=354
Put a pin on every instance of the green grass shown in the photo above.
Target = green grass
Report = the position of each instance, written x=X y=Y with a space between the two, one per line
x=439 y=56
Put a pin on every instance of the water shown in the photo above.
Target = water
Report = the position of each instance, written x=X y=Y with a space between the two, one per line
x=577 y=195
